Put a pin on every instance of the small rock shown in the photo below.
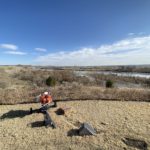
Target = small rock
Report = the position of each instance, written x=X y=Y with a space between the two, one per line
x=103 y=123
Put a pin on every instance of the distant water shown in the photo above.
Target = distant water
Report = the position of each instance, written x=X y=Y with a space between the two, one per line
x=125 y=74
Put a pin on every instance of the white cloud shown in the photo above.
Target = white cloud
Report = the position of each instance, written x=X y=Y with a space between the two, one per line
x=15 y=53
x=11 y=49
x=136 y=34
x=127 y=51
x=9 y=46
x=41 y=49
x=131 y=33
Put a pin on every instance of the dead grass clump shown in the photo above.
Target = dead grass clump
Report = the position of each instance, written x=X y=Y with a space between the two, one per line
x=3 y=84
x=11 y=96
x=16 y=96
x=2 y=70
x=85 y=80
x=134 y=94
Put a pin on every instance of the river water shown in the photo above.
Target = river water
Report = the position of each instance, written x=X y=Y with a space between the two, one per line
x=125 y=74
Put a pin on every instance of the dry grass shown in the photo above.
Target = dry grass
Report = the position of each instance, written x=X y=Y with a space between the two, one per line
x=99 y=78
x=22 y=85
x=75 y=92
x=39 y=77
x=113 y=121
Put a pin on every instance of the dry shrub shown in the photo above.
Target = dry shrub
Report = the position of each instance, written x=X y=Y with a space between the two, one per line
x=34 y=76
x=3 y=84
x=64 y=75
x=21 y=95
x=14 y=96
x=2 y=70
x=39 y=77
x=133 y=94
x=147 y=82
x=85 y=80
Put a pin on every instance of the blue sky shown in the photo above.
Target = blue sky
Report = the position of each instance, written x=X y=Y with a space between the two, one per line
x=74 y=32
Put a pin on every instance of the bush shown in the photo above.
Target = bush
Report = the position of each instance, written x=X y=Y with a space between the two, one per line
x=63 y=75
x=147 y=83
x=50 y=81
x=109 y=83
x=3 y=85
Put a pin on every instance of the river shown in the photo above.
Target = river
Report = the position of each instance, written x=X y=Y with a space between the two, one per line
x=125 y=74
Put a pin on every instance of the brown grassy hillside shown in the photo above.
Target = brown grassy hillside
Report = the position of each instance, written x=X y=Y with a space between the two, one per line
x=23 y=84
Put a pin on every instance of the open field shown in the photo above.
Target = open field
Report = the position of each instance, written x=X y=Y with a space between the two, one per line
x=118 y=124
x=21 y=84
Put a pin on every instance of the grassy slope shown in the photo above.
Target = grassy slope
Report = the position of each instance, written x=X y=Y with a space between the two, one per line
x=113 y=121
x=22 y=85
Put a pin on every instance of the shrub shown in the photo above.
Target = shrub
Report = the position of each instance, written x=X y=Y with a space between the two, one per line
x=63 y=75
x=3 y=85
x=50 y=81
x=109 y=83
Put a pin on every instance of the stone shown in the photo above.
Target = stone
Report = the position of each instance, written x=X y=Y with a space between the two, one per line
x=86 y=129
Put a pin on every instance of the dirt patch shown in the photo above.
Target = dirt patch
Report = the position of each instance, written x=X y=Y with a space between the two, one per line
x=112 y=121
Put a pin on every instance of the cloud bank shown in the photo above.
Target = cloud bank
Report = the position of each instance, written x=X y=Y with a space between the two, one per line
x=133 y=50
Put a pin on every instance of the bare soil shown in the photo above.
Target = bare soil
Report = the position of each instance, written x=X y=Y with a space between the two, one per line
x=119 y=126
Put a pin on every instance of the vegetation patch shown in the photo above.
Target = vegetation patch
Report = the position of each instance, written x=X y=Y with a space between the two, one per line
x=24 y=84
x=109 y=84
x=50 y=81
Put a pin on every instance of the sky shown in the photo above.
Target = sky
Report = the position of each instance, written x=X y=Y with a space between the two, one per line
x=74 y=32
